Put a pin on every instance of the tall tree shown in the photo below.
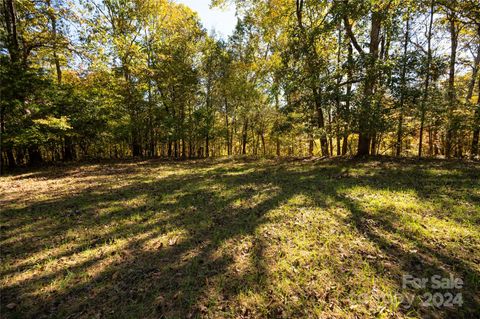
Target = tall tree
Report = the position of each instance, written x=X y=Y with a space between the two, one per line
x=426 y=86
x=403 y=86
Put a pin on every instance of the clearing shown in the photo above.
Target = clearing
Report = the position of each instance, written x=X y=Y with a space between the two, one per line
x=239 y=239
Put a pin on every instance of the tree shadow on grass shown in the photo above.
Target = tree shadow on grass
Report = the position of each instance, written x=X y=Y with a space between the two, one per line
x=146 y=283
x=423 y=260
x=171 y=259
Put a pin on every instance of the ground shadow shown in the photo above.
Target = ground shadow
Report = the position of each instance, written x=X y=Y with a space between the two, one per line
x=172 y=233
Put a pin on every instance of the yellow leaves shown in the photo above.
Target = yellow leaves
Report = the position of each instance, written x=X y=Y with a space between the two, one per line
x=218 y=3
x=53 y=122
x=380 y=5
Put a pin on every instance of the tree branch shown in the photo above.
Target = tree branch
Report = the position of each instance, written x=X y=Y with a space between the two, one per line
x=350 y=34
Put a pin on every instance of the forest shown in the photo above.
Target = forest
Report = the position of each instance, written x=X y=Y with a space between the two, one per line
x=118 y=78
x=318 y=159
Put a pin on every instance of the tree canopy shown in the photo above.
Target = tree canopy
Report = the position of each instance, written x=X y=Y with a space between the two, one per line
x=143 y=78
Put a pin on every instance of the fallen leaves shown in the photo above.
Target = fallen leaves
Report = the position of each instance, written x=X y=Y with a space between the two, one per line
x=172 y=241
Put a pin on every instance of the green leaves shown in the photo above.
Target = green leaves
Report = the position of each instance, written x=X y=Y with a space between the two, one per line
x=53 y=123
x=42 y=131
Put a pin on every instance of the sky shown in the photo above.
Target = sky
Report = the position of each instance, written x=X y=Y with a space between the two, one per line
x=222 y=20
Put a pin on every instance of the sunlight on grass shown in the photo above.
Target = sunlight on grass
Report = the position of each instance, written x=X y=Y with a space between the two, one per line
x=237 y=239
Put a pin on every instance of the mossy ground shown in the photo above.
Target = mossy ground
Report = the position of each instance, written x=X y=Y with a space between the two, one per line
x=238 y=238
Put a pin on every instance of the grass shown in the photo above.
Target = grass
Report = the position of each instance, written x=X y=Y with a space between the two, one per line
x=238 y=239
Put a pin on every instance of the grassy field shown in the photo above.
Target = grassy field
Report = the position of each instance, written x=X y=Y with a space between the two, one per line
x=239 y=239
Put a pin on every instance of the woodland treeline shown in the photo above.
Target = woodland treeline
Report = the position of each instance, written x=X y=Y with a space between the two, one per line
x=143 y=78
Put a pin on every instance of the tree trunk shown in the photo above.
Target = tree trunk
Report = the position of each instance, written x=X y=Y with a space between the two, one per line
x=476 y=66
x=476 y=129
x=11 y=26
x=337 y=90
x=262 y=136
x=373 y=146
x=451 y=84
x=7 y=148
x=403 y=87
x=184 y=149
x=207 y=145
x=10 y=158
x=244 y=137
x=229 y=150
x=278 y=147
x=427 y=79
x=330 y=139
x=476 y=116
x=430 y=141
x=312 y=70
x=345 y=144
x=339 y=150
x=34 y=156
x=68 y=151
x=363 y=144
x=321 y=122
x=476 y=134
x=136 y=148
x=310 y=145
x=348 y=99
x=365 y=121
x=56 y=60
x=13 y=46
